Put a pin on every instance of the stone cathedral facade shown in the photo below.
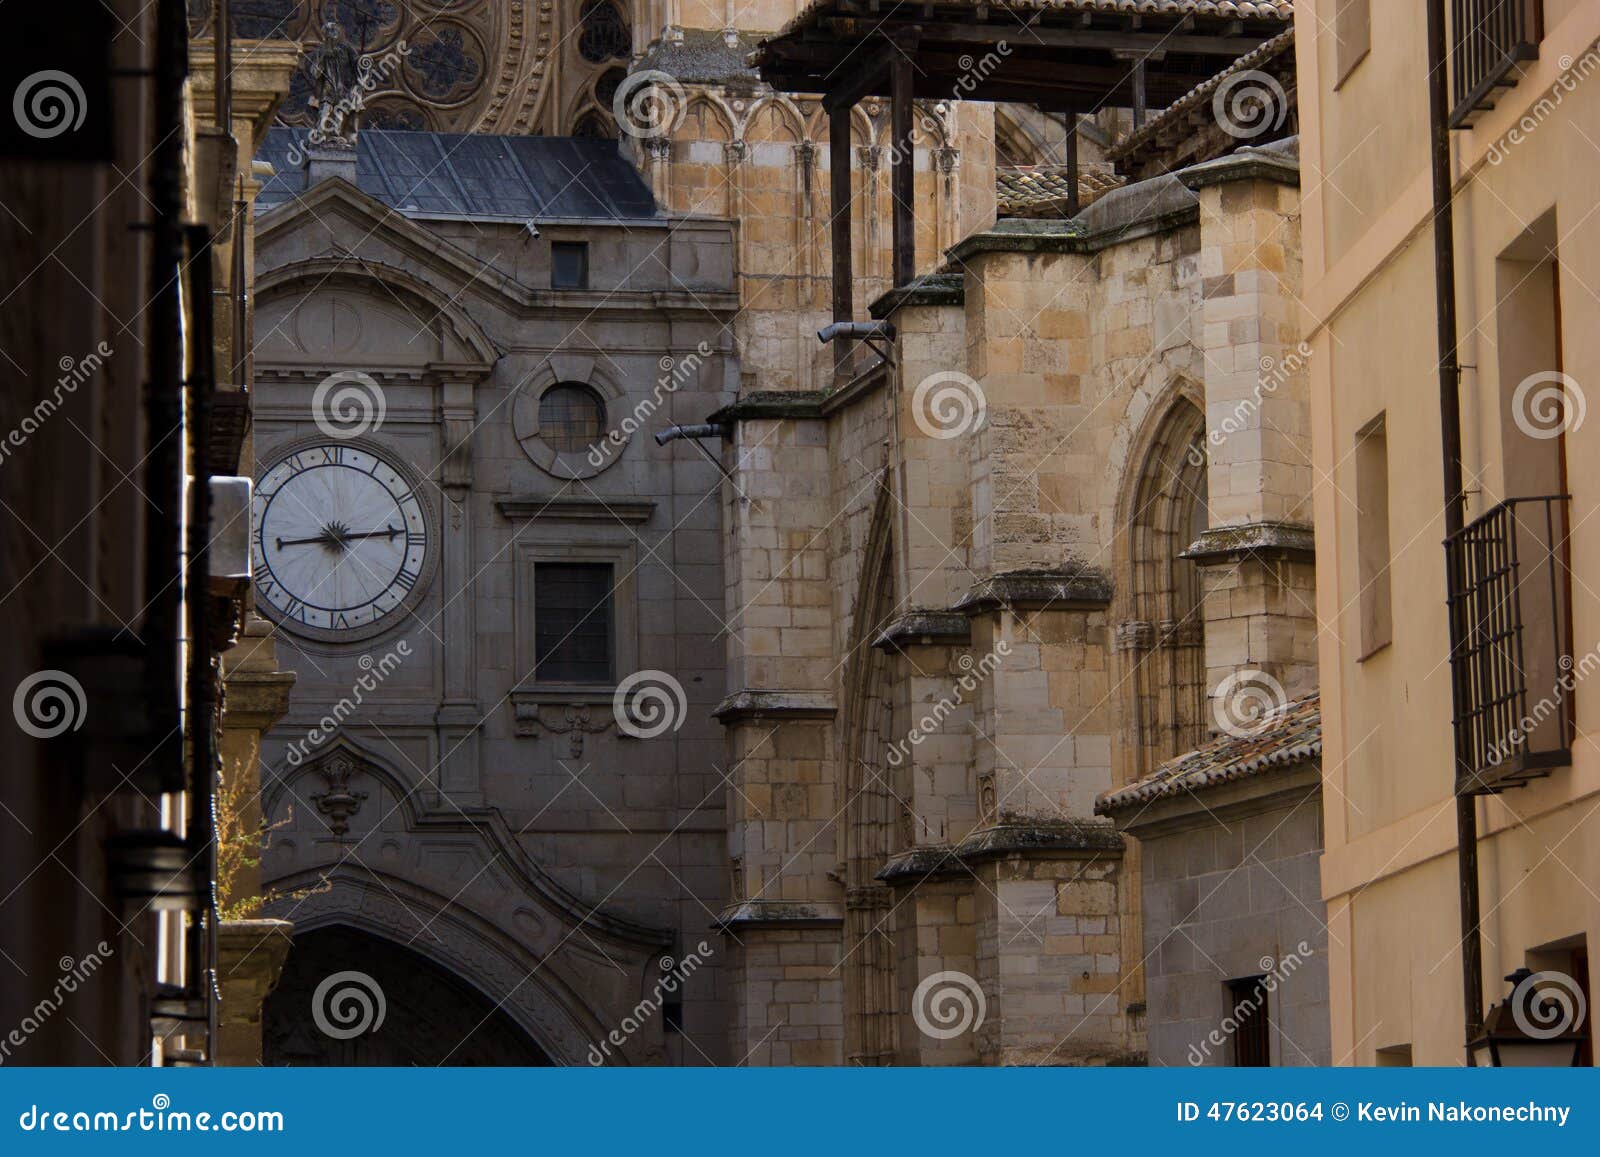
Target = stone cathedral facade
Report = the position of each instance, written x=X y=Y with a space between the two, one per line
x=926 y=602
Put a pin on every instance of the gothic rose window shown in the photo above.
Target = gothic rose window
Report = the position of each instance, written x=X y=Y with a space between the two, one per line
x=605 y=33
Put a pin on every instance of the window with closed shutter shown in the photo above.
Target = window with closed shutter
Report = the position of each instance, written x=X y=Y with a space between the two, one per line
x=573 y=623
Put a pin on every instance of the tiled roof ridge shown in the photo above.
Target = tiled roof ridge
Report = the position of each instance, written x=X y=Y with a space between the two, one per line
x=1289 y=736
x=1146 y=132
x=1240 y=9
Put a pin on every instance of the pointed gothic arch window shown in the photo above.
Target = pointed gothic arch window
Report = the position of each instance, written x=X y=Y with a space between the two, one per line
x=594 y=124
x=1164 y=631
x=605 y=34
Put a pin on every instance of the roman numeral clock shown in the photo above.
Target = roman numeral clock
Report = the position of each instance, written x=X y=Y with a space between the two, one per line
x=344 y=539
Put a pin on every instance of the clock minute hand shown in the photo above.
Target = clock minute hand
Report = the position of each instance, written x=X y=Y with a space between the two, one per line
x=386 y=532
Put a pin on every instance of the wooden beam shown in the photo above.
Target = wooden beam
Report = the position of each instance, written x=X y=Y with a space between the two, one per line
x=839 y=212
x=902 y=173
x=1142 y=44
x=1072 y=166
x=863 y=78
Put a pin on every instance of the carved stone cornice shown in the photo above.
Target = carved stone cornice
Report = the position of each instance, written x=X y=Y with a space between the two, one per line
x=1266 y=540
x=742 y=706
x=1074 y=589
x=926 y=628
x=755 y=914
x=1045 y=839
x=575 y=508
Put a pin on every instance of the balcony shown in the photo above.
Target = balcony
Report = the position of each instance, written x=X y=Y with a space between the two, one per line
x=1489 y=40
x=1511 y=656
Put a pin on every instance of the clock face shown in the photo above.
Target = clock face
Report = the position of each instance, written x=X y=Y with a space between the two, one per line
x=343 y=541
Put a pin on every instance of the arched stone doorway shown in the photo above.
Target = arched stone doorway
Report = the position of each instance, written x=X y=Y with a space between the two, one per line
x=430 y=1016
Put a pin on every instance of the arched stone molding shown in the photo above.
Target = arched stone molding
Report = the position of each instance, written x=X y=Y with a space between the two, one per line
x=465 y=349
x=871 y=804
x=1158 y=617
x=456 y=885
x=585 y=371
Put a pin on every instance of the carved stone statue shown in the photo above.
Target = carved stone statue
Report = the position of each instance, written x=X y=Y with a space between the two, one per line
x=335 y=88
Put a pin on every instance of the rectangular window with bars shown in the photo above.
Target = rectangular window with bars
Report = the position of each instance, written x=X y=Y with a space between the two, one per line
x=573 y=623
x=1252 y=1024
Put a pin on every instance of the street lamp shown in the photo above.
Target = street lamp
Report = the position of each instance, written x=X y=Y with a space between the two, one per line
x=1539 y=1025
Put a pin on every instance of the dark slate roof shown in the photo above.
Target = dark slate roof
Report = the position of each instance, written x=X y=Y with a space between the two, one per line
x=476 y=175
x=1287 y=737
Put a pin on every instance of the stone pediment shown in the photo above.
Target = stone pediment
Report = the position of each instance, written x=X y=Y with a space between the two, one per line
x=332 y=203
x=353 y=842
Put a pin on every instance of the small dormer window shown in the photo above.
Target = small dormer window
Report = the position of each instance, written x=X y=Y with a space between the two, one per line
x=569 y=265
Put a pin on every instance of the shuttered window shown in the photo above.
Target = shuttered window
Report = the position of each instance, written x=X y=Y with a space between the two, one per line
x=572 y=622
x=1252 y=1032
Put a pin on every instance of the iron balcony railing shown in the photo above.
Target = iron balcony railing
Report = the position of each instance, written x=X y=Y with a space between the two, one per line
x=1489 y=40
x=1511 y=655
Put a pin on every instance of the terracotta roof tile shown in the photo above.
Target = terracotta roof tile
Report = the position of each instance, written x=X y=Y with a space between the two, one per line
x=1042 y=190
x=1196 y=98
x=1228 y=9
x=1288 y=736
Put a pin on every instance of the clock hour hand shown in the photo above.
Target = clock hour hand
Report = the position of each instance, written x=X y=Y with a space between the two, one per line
x=322 y=538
